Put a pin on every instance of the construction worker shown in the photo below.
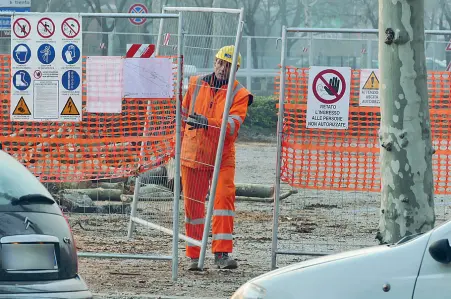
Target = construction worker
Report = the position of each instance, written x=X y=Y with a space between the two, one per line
x=202 y=110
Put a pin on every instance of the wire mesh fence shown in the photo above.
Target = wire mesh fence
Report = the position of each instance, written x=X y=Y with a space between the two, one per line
x=206 y=33
x=90 y=166
x=337 y=172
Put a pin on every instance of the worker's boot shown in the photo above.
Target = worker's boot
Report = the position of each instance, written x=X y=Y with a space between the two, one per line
x=192 y=265
x=224 y=261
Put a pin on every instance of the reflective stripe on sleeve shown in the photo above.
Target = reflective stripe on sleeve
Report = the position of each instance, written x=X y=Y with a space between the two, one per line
x=231 y=121
x=184 y=113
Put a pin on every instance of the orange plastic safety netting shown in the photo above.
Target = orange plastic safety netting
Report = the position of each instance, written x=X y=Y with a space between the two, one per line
x=349 y=159
x=101 y=146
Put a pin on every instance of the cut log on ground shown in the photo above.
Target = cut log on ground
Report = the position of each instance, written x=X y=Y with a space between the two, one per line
x=108 y=185
x=98 y=193
x=254 y=190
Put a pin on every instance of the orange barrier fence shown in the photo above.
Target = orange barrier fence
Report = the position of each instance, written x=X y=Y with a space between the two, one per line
x=101 y=146
x=349 y=159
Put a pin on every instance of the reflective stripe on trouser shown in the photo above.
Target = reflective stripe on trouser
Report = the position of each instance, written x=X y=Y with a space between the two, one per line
x=224 y=211
x=195 y=188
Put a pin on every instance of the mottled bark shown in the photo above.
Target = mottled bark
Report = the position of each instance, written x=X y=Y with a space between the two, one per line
x=407 y=205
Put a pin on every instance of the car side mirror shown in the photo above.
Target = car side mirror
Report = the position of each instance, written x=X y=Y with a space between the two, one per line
x=441 y=251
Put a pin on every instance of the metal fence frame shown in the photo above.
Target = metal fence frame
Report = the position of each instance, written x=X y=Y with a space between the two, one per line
x=174 y=256
x=282 y=75
x=248 y=74
x=223 y=131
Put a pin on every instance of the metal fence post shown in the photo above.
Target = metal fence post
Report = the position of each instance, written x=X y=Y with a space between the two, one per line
x=131 y=225
x=178 y=126
x=249 y=62
x=275 y=226
x=218 y=159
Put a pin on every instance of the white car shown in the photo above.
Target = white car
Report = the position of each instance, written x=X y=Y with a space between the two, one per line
x=417 y=267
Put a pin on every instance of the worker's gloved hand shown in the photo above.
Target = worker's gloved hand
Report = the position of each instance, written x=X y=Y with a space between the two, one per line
x=197 y=121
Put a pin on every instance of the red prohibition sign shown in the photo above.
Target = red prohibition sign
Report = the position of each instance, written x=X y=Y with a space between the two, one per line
x=21 y=28
x=320 y=76
x=70 y=27
x=138 y=8
x=46 y=27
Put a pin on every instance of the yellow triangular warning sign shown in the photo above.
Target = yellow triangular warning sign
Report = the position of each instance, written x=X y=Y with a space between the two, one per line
x=21 y=108
x=372 y=82
x=70 y=108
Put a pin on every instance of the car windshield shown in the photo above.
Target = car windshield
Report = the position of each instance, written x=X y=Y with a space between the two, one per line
x=16 y=181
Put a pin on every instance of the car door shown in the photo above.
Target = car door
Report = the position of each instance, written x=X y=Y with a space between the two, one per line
x=434 y=279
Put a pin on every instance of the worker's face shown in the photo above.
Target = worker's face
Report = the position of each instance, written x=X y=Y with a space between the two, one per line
x=222 y=69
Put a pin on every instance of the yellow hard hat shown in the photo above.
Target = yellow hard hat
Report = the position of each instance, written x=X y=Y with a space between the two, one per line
x=226 y=53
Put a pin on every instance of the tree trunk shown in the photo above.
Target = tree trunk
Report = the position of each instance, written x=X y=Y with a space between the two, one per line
x=157 y=7
x=448 y=53
x=407 y=203
x=219 y=27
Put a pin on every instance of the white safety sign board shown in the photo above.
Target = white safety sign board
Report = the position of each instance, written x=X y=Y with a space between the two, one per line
x=328 y=97
x=46 y=68
x=369 y=88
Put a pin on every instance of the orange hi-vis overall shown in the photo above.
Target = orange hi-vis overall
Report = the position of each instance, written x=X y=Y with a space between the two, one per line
x=198 y=157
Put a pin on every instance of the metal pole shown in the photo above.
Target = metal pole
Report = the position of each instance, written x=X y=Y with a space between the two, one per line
x=351 y=30
x=204 y=9
x=123 y=256
x=275 y=227
x=168 y=231
x=178 y=126
x=249 y=62
x=131 y=225
x=330 y=30
x=218 y=159
x=91 y=14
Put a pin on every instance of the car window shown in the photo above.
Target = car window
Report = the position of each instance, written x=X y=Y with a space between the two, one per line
x=16 y=181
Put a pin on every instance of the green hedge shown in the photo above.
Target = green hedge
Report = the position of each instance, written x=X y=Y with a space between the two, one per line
x=261 y=120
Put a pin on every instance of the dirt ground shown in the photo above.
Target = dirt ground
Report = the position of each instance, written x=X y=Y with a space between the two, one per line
x=310 y=221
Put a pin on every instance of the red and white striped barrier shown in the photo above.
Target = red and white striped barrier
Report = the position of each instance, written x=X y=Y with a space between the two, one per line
x=140 y=50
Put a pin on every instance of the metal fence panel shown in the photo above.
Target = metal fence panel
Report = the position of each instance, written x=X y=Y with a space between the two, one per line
x=90 y=166
x=337 y=171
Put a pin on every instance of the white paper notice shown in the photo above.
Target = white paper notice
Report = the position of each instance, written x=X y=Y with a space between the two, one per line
x=45 y=99
x=148 y=78
x=104 y=84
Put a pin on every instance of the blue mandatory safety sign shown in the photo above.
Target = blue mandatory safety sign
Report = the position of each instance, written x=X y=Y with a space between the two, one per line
x=46 y=54
x=21 y=53
x=71 y=80
x=71 y=53
x=21 y=80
